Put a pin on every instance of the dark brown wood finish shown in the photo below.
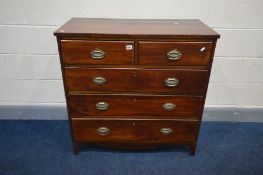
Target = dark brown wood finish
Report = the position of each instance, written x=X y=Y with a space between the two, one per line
x=137 y=28
x=193 y=53
x=128 y=106
x=135 y=90
x=75 y=145
x=79 y=52
x=134 y=130
x=193 y=145
x=136 y=80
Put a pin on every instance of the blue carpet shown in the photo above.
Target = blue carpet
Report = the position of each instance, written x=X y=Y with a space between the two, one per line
x=44 y=148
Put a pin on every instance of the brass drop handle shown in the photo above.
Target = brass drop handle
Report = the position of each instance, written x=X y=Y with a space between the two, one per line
x=99 y=80
x=166 y=131
x=102 y=106
x=174 y=55
x=169 y=106
x=171 y=81
x=97 y=54
x=103 y=131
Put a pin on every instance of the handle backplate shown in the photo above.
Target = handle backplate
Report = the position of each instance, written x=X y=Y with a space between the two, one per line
x=171 y=82
x=97 y=54
x=103 y=131
x=99 y=80
x=173 y=55
x=102 y=106
x=166 y=130
x=169 y=106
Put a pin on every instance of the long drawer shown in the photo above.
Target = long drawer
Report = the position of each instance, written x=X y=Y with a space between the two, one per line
x=175 y=53
x=151 y=131
x=192 y=82
x=97 y=52
x=107 y=106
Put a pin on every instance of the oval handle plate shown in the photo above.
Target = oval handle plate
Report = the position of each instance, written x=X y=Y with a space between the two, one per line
x=171 y=82
x=103 y=131
x=99 y=80
x=169 y=106
x=102 y=106
x=174 y=54
x=166 y=130
x=97 y=54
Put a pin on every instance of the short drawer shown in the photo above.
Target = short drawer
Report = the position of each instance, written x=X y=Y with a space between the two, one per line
x=151 y=131
x=102 y=106
x=175 y=53
x=137 y=80
x=97 y=52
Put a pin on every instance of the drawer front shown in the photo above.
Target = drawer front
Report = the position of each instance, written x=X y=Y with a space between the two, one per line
x=137 y=80
x=165 y=131
x=128 y=105
x=175 y=53
x=97 y=52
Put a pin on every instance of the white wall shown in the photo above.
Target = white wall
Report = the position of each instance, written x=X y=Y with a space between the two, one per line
x=29 y=63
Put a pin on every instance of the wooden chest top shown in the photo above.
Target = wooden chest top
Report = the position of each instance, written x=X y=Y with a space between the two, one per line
x=136 y=28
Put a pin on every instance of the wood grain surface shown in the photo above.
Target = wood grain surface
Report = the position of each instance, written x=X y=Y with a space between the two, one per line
x=127 y=106
x=137 y=28
x=191 y=82
x=79 y=52
x=193 y=53
x=134 y=130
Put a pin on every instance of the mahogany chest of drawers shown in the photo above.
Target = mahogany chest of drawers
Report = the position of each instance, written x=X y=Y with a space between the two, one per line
x=135 y=84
